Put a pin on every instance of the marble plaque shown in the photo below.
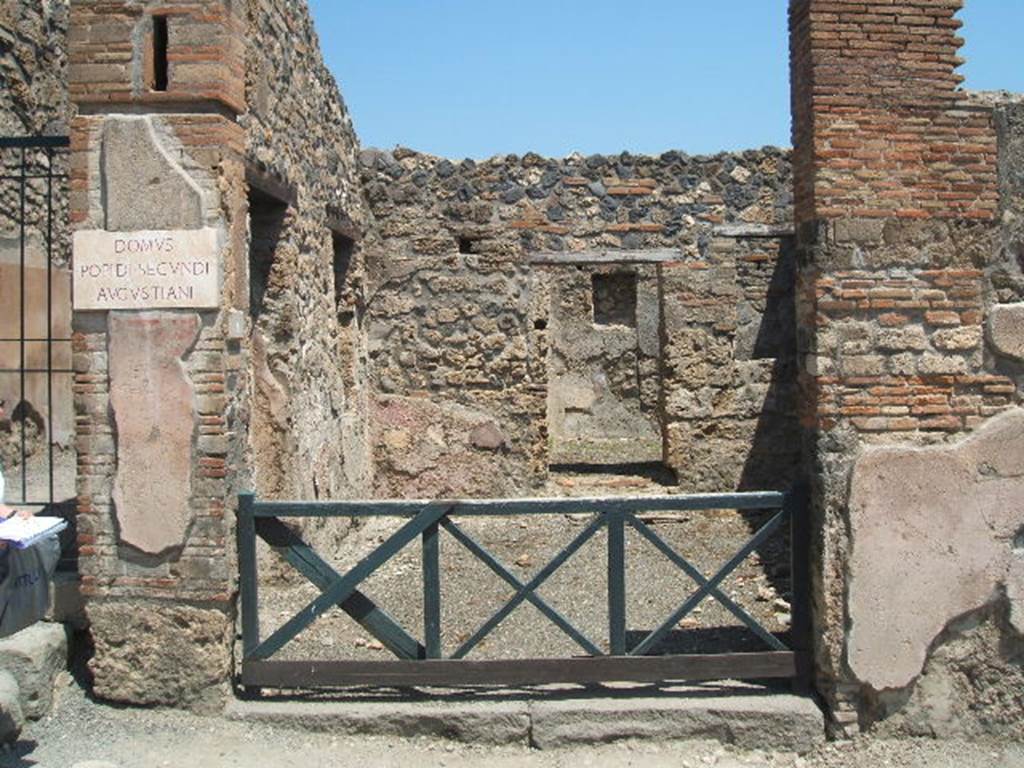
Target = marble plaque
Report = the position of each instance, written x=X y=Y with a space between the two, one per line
x=157 y=269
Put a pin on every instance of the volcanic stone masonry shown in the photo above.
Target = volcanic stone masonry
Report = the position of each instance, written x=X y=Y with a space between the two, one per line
x=483 y=309
x=390 y=323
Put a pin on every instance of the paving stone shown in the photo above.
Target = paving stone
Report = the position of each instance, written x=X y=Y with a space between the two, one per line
x=477 y=723
x=742 y=716
x=765 y=721
x=34 y=657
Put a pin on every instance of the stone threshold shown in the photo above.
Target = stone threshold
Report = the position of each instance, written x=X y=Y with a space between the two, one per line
x=741 y=715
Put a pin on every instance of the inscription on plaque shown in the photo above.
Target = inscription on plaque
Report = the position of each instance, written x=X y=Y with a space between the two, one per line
x=178 y=269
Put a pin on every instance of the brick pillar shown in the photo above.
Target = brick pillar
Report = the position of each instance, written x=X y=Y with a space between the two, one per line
x=156 y=150
x=896 y=210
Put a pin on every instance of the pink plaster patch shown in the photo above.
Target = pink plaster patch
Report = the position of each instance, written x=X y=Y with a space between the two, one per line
x=933 y=533
x=153 y=408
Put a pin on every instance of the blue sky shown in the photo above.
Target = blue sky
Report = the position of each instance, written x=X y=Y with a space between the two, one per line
x=474 y=78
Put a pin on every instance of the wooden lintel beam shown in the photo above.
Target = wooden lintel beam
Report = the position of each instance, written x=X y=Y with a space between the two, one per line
x=271 y=185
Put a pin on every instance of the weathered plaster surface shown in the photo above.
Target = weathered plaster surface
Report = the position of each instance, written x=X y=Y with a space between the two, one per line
x=143 y=186
x=603 y=378
x=933 y=533
x=153 y=408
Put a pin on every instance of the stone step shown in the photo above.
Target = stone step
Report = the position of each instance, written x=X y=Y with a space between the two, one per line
x=741 y=715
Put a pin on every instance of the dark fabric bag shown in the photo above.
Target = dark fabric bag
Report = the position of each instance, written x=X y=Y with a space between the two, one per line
x=25 y=584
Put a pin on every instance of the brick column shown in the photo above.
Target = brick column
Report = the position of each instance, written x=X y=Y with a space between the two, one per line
x=156 y=147
x=897 y=216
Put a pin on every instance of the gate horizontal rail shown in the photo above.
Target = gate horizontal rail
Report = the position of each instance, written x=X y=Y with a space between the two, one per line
x=422 y=662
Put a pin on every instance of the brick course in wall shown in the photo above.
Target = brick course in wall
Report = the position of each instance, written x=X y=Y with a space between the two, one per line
x=898 y=205
x=878 y=126
x=111 y=45
x=904 y=353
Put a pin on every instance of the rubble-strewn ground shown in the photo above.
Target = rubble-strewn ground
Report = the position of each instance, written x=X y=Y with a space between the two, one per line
x=80 y=731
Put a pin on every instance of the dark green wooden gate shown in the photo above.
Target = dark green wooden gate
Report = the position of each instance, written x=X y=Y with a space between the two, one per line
x=420 y=662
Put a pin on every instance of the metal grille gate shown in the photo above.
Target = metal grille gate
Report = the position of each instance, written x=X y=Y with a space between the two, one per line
x=35 y=322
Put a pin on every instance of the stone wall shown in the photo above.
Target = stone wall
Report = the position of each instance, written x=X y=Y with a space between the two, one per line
x=309 y=403
x=179 y=411
x=481 y=295
x=396 y=324
x=907 y=219
x=34 y=68
x=730 y=399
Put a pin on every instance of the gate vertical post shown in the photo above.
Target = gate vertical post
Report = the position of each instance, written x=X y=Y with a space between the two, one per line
x=432 y=592
x=49 y=323
x=796 y=508
x=248 y=584
x=23 y=362
x=617 y=583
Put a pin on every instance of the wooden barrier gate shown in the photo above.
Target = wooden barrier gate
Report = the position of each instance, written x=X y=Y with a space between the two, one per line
x=421 y=663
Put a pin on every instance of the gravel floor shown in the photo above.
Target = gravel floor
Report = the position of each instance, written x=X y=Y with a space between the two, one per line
x=471 y=593
x=80 y=731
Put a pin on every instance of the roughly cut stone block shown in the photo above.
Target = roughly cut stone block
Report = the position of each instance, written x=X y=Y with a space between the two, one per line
x=1006 y=330
x=35 y=656
x=859 y=230
x=932 y=534
x=152 y=402
x=761 y=721
x=744 y=716
x=159 y=653
x=144 y=187
x=12 y=719
x=479 y=722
